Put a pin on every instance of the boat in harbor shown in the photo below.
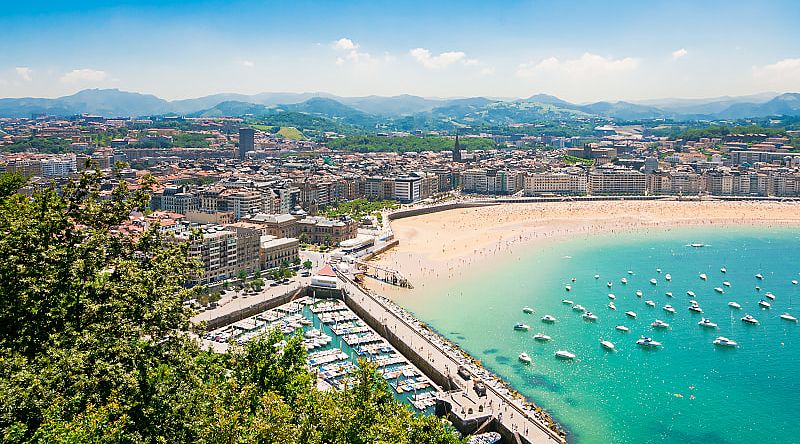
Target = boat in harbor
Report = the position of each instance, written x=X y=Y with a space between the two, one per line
x=658 y=270
x=690 y=293
x=760 y=277
x=764 y=304
x=527 y=309
x=735 y=305
x=648 y=342
x=706 y=323
x=747 y=319
x=622 y=328
x=722 y=341
x=658 y=323
x=697 y=245
x=597 y=276
x=589 y=316
x=563 y=354
x=548 y=318
x=609 y=284
x=703 y=276
x=578 y=307
x=631 y=313
x=639 y=293
x=669 y=309
x=650 y=303
x=608 y=345
x=788 y=317
x=568 y=287
x=723 y=270
x=695 y=308
x=719 y=290
x=630 y=272
x=624 y=280
x=653 y=281
x=611 y=296
x=521 y=327
x=668 y=277
x=669 y=294
x=541 y=337
x=770 y=295
x=726 y=283
x=525 y=358
x=794 y=281
x=612 y=306
x=567 y=301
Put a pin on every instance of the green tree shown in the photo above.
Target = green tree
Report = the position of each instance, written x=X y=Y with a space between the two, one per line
x=308 y=264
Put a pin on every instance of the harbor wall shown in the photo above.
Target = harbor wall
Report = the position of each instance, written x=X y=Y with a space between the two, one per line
x=437 y=208
x=251 y=310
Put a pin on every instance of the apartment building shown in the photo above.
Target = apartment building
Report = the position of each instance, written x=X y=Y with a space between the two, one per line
x=616 y=181
x=538 y=184
x=276 y=251
x=216 y=250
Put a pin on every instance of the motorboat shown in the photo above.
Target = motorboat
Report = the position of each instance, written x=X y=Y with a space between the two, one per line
x=574 y=279
x=719 y=290
x=770 y=295
x=648 y=342
x=749 y=319
x=760 y=277
x=608 y=345
x=567 y=301
x=735 y=305
x=578 y=307
x=521 y=327
x=788 y=317
x=611 y=296
x=703 y=276
x=758 y=288
x=722 y=341
x=527 y=310
x=764 y=304
x=706 y=323
x=695 y=308
x=653 y=281
x=639 y=293
x=723 y=270
x=548 y=318
x=589 y=316
x=622 y=328
x=541 y=337
x=650 y=303
x=669 y=294
x=631 y=313
x=690 y=293
x=658 y=323
x=525 y=358
x=668 y=277
x=794 y=281
x=697 y=245
x=609 y=284
x=630 y=272
x=669 y=309
x=726 y=283
x=624 y=280
x=612 y=306
x=568 y=287
x=597 y=276
x=658 y=270
x=563 y=354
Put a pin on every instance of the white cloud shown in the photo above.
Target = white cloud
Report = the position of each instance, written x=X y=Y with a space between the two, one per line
x=84 y=75
x=24 y=73
x=345 y=44
x=588 y=64
x=680 y=53
x=783 y=75
x=443 y=60
x=247 y=63
x=487 y=71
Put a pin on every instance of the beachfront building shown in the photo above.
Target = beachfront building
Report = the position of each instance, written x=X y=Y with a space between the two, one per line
x=616 y=181
x=491 y=181
x=573 y=183
x=676 y=182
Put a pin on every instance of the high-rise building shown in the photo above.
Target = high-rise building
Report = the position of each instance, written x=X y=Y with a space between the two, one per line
x=247 y=143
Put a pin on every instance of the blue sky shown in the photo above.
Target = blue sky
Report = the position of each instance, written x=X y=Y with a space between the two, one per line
x=577 y=50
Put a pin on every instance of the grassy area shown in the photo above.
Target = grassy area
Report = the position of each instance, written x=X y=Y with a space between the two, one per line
x=291 y=132
x=359 y=208
x=574 y=160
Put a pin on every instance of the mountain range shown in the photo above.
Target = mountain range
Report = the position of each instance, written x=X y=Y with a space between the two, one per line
x=368 y=111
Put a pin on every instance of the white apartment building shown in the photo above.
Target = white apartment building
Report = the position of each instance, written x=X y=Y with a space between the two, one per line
x=555 y=183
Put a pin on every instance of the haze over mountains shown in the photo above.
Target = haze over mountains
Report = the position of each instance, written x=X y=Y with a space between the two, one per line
x=369 y=109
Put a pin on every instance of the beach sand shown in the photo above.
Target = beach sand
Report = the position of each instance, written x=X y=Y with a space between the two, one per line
x=445 y=246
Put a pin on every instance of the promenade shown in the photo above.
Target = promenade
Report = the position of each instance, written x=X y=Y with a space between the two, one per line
x=520 y=420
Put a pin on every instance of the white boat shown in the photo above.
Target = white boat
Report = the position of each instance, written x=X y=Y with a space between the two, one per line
x=612 y=306
x=669 y=294
x=548 y=318
x=639 y=293
x=735 y=305
x=703 y=276
x=527 y=310
x=578 y=307
x=788 y=317
x=589 y=316
x=608 y=345
x=719 y=290
x=706 y=323
x=764 y=304
x=622 y=328
x=650 y=303
x=770 y=295
x=648 y=342
x=624 y=280
x=563 y=354
x=758 y=288
x=568 y=287
x=521 y=327
x=611 y=296
x=658 y=270
x=760 y=276
x=658 y=323
x=597 y=276
x=668 y=277
x=722 y=341
x=631 y=313
x=567 y=301
x=630 y=272
x=726 y=283
x=609 y=284
x=541 y=337
x=723 y=270
x=696 y=308
x=697 y=245
x=794 y=282
x=653 y=281
x=669 y=309
x=574 y=279
x=690 y=293
x=525 y=358
x=749 y=319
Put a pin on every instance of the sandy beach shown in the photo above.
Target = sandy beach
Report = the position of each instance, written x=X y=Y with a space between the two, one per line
x=445 y=245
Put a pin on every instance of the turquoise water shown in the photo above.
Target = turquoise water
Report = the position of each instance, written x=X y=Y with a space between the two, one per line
x=742 y=394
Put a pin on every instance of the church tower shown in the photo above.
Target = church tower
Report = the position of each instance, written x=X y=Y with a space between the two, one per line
x=456 y=151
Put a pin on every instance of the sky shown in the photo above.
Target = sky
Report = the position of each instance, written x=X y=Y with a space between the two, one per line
x=580 y=51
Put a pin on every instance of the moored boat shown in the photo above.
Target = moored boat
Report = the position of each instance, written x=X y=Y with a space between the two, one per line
x=567 y=301
x=608 y=345
x=525 y=358
x=658 y=323
x=703 y=276
x=668 y=277
x=669 y=309
x=706 y=323
x=653 y=281
x=764 y=304
x=578 y=307
x=589 y=316
x=612 y=306
x=650 y=303
x=527 y=309
x=611 y=296
x=749 y=319
x=735 y=305
x=563 y=354
x=719 y=290
x=648 y=342
x=521 y=327
x=722 y=341
x=548 y=318
x=541 y=337
x=631 y=314
x=622 y=328
x=788 y=317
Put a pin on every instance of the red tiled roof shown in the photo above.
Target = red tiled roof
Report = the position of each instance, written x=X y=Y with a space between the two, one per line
x=326 y=271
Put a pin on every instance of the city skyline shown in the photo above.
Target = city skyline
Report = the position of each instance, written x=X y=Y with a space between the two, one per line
x=577 y=51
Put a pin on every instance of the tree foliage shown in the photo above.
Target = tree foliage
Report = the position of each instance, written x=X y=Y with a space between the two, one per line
x=94 y=343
